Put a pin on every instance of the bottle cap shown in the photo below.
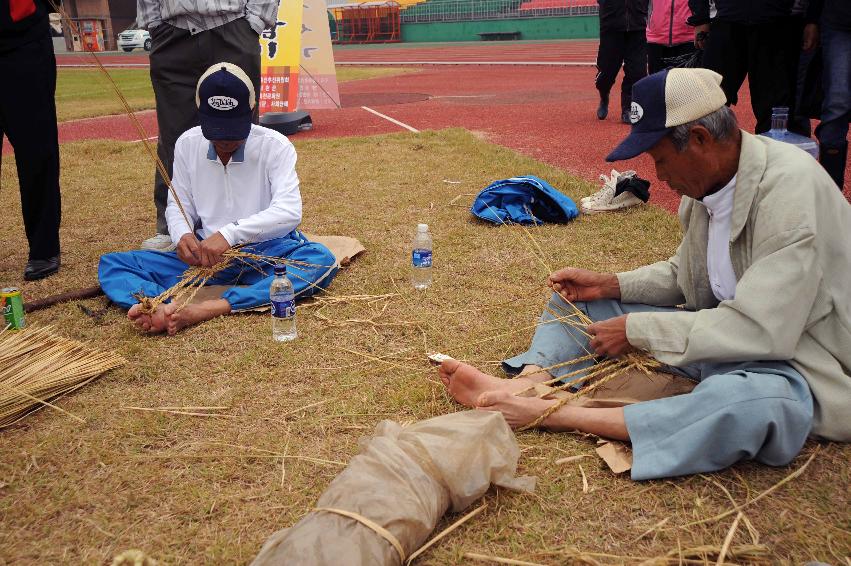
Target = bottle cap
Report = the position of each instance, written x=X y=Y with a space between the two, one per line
x=422 y=227
x=280 y=268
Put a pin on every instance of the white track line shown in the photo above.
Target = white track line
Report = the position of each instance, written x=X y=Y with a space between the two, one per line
x=389 y=119
x=481 y=63
x=380 y=63
x=152 y=138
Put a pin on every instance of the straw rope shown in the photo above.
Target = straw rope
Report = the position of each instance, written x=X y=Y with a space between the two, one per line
x=369 y=523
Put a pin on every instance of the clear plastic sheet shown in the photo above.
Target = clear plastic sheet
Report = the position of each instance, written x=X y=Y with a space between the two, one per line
x=404 y=480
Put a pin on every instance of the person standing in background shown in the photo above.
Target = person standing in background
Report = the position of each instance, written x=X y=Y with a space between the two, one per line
x=829 y=21
x=28 y=118
x=668 y=34
x=748 y=39
x=187 y=36
x=622 y=43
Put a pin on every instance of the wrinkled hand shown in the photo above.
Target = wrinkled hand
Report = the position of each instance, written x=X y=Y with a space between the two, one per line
x=701 y=32
x=583 y=285
x=609 y=337
x=212 y=249
x=810 y=40
x=189 y=250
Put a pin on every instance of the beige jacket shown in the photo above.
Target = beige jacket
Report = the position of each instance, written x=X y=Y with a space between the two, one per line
x=790 y=245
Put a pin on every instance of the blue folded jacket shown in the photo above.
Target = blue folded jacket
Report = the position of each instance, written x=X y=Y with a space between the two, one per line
x=523 y=200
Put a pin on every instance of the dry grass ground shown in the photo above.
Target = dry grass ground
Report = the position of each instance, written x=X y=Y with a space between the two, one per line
x=84 y=93
x=203 y=490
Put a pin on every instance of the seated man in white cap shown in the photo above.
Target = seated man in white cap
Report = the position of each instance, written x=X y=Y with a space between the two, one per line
x=236 y=185
x=753 y=307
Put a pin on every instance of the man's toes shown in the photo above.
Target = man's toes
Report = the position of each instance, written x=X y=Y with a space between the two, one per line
x=491 y=398
x=448 y=367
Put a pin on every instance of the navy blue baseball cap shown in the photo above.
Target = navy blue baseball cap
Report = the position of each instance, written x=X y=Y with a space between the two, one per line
x=664 y=100
x=225 y=98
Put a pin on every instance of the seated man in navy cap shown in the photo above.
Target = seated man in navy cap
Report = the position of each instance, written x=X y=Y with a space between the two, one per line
x=236 y=185
x=750 y=319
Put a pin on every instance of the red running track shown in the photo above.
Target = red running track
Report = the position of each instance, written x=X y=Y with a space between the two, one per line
x=582 y=52
x=547 y=112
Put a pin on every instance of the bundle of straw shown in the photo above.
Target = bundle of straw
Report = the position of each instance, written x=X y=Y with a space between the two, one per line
x=37 y=367
x=196 y=277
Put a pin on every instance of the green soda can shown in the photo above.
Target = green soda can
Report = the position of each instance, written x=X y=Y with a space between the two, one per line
x=12 y=304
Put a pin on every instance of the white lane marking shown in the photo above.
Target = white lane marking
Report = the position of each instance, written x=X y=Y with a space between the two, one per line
x=481 y=63
x=389 y=119
x=152 y=138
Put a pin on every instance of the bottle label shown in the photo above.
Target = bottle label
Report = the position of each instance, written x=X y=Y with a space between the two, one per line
x=283 y=309
x=421 y=258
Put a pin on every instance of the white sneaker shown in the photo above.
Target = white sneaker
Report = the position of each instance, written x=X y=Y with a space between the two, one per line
x=605 y=200
x=159 y=243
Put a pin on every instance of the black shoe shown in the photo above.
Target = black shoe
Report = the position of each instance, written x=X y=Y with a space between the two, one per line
x=41 y=268
x=625 y=117
x=603 y=109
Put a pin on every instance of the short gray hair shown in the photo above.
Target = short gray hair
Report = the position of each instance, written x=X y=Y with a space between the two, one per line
x=721 y=125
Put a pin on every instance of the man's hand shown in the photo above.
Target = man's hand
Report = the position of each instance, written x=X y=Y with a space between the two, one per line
x=701 y=32
x=584 y=285
x=189 y=250
x=212 y=249
x=609 y=337
x=810 y=40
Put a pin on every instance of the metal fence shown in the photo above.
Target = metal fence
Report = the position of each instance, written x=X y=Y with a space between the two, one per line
x=468 y=10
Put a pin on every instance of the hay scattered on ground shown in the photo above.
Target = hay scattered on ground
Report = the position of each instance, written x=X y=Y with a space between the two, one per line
x=37 y=367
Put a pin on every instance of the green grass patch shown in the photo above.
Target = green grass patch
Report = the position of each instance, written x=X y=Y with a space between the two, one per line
x=85 y=93
x=80 y=494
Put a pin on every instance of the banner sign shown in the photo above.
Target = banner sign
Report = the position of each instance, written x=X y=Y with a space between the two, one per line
x=280 y=59
x=318 y=81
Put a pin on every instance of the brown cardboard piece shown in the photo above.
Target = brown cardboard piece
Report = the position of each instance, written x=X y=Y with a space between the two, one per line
x=626 y=389
x=345 y=249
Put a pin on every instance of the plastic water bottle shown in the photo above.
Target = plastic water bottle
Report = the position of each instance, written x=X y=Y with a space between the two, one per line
x=778 y=131
x=421 y=258
x=283 y=306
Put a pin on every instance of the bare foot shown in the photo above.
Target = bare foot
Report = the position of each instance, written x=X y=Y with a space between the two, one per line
x=151 y=323
x=518 y=411
x=193 y=313
x=465 y=383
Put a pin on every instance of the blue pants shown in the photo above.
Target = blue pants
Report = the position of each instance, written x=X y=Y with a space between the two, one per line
x=759 y=410
x=836 y=106
x=125 y=274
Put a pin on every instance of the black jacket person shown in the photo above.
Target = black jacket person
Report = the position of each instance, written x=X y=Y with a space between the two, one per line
x=28 y=119
x=622 y=42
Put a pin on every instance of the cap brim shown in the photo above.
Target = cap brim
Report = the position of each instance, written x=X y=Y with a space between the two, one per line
x=216 y=128
x=635 y=144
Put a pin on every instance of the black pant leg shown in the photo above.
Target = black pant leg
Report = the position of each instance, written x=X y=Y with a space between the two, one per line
x=610 y=55
x=236 y=42
x=634 y=65
x=726 y=54
x=28 y=117
x=769 y=72
x=655 y=53
x=176 y=66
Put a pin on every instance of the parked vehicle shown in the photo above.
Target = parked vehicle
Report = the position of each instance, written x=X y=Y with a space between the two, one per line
x=132 y=38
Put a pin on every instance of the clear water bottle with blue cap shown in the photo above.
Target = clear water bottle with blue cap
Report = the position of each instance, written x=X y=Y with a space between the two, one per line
x=282 y=297
x=778 y=131
x=421 y=258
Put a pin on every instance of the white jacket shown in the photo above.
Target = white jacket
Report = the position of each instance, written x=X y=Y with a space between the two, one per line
x=252 y=199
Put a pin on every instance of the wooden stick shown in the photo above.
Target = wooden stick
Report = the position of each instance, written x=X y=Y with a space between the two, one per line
x=77 y=294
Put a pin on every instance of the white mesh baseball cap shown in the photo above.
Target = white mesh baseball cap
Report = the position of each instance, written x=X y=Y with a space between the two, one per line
x=666 y=99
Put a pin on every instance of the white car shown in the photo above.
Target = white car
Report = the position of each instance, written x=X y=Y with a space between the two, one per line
x=130 y=39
